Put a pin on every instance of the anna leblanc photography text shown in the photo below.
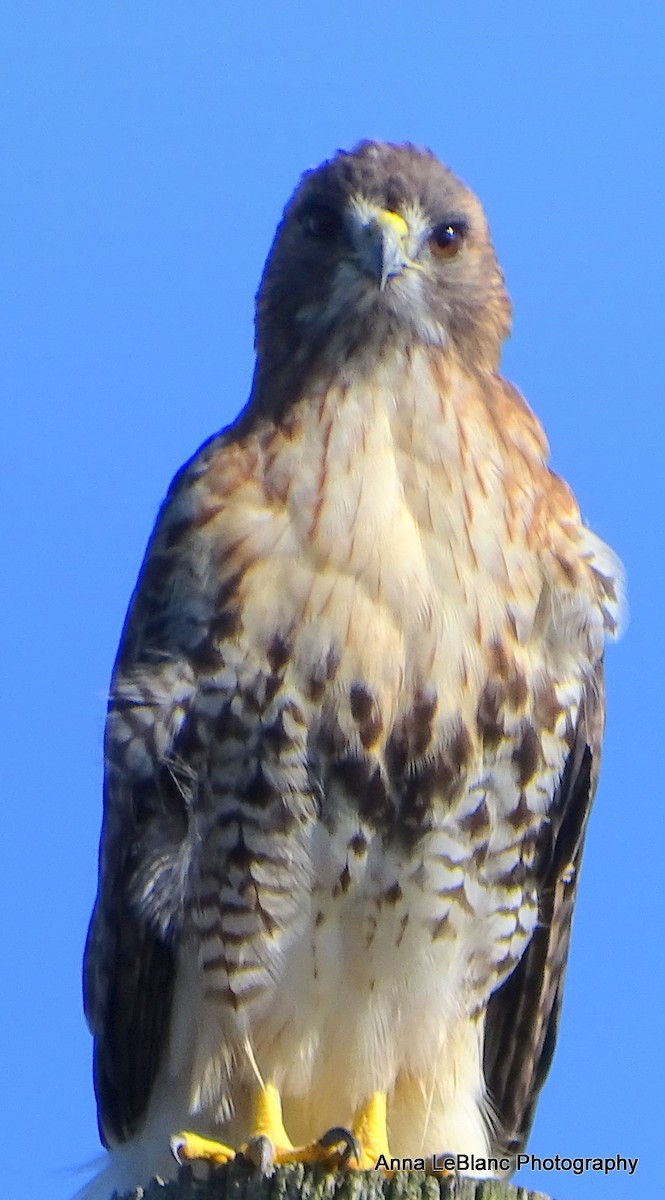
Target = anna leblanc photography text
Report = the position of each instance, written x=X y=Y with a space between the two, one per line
x=471 y=1164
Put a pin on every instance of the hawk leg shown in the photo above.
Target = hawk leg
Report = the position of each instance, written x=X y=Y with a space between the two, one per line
x=269 y=1144
x=371 y=1133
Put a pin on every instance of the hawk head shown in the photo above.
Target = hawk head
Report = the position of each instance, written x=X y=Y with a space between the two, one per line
x=379 y=246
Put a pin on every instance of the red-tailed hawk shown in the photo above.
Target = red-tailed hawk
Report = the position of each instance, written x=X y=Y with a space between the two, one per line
x=355 y=720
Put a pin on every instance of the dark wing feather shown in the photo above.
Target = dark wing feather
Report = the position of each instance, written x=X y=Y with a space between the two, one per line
x=129 y=975
x=129 y=968
x=152 y=765
x=523 y=1014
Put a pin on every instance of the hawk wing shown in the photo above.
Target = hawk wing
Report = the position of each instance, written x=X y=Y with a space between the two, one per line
x=128 y=987
x=523 y=1014
x=151 y=770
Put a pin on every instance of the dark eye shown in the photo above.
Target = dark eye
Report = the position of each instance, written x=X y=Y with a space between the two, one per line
x=322 y=222
x=446 y=239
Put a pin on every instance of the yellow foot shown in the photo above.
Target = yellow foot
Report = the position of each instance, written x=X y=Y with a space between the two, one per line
x=268 y=1140
x=359 y=1148
x=336 y=1149
x=191 y=1147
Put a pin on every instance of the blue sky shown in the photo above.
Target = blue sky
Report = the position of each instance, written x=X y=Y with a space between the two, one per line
x=149 y=149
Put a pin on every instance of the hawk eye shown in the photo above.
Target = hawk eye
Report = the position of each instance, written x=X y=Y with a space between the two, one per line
x=446 y=239
x=322 y=222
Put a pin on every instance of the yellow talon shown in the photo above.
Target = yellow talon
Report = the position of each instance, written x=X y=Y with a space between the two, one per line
x=191 y=1147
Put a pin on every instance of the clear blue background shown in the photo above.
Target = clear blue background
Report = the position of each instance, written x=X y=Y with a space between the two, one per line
x=149 y=147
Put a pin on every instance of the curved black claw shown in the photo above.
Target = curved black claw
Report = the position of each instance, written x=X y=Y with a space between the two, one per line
x=340 y=1135
x=260 y=1152
x=444 y=1163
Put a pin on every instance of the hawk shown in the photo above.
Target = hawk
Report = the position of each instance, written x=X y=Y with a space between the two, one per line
x=354 y=724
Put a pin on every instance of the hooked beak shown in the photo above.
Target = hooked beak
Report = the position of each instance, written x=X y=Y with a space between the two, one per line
x=383 y=246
